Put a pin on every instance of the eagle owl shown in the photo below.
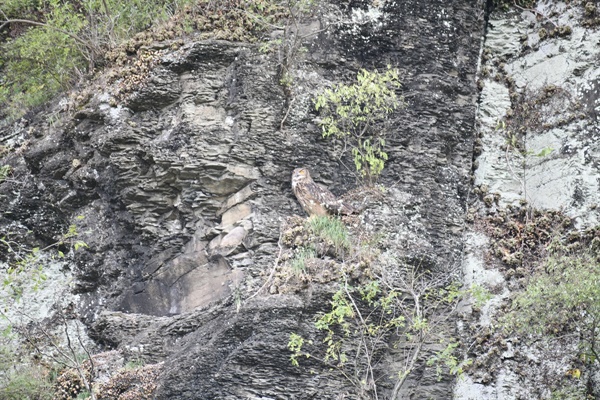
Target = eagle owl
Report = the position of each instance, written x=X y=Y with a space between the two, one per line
x=314 y=199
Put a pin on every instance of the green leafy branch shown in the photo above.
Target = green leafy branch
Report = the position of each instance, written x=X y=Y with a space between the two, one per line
x=356 y=113
x=447 y=358
x=364 y=319
x=5 y=171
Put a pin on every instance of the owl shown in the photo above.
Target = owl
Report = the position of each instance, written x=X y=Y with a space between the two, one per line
x=315 y=199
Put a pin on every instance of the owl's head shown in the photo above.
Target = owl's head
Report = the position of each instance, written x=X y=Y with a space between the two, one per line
x=300 y=175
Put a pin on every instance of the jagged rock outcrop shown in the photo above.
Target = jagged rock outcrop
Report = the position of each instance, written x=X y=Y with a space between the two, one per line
x=184 y=184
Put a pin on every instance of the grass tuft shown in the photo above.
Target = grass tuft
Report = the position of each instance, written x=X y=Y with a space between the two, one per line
x=331 y=230
x=298 y=263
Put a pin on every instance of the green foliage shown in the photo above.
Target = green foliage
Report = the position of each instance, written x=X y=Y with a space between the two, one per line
x=26 y=383
x=25 y=272
x=480 y=295
x=130 y=16
x=21 y=8
x=565 y=296
x=364 y=321
x=84 y=395
x=343 y=319
x=447 y=358
x=295 y=344
x=302 y=255
x=62 y=40
x=42 y=61
x=570 y=393
x=22 y=379
x=332 y=230
x=515 y=143
x=546 y=151
x=5 y=171
x=340 y=314
x=56 y=42
x=347 y=328
x=355 y=114
x=511 y=138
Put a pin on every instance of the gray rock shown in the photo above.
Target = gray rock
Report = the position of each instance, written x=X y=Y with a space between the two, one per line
x=184 y=187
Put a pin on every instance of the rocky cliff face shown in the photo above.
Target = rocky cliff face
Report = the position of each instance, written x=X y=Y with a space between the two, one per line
x=184 y=184
x=537 y=147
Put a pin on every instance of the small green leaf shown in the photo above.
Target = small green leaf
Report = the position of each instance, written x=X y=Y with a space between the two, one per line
x=546 y=151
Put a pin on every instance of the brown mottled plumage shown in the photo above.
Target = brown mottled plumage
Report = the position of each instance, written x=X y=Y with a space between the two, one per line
x=314 y=199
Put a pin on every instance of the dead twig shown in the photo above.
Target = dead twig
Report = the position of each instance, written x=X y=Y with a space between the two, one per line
x=272 y=270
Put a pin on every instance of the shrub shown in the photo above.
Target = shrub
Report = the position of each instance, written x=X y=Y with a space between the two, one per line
x=59 y=41
x=22 y=379
x=356 y=113
x=42 y=61
x=565 y=296
x=26 y=384
x=364 y=321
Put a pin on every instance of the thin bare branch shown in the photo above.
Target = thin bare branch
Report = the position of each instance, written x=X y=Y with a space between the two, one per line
x=272 y=270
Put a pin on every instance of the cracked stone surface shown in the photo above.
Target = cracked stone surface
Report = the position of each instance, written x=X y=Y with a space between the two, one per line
x=555 y=167
x=184 y=184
